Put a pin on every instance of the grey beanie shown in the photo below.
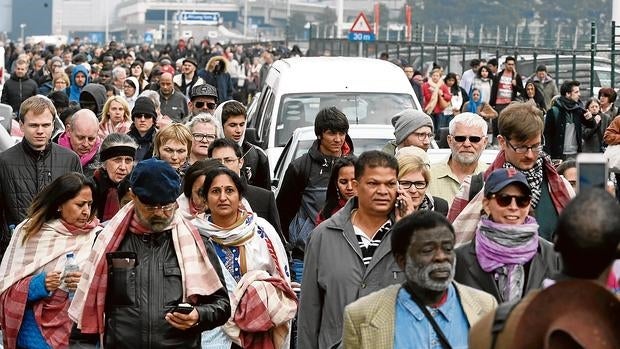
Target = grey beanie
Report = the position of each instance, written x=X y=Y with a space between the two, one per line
x=408 y=121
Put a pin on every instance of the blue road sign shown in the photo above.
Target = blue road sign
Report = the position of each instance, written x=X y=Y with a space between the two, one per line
x=148 y=38
x=366 y=37
x=204 y=18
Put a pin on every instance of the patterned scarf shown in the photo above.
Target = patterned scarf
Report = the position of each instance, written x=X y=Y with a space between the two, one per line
x=44 y=251
x=197 y=274
x=504 y=249
x=427 y=204
x=534 y=177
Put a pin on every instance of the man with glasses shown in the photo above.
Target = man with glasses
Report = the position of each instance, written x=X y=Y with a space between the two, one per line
x=204 y=130
x=202 y=99
x=520 y=141
x=411 y=127
x=261 y=201
x=507 y=86
x=154 y=260
x=467 y=141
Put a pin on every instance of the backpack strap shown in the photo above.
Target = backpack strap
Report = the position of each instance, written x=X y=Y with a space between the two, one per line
x=502 y=313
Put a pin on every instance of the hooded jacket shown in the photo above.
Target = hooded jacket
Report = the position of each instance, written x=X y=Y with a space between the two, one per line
x=555 y=125
x=16 y=90
x=74 y=90
x=132 y=99
x=97 y=93
x=218 y=77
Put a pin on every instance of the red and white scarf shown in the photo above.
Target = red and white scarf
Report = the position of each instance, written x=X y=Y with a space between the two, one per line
x=44 y=251
x=197 y=274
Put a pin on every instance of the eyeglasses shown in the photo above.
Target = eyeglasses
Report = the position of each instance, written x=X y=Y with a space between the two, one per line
x=145 y=116
x=522 y=149
x=472 y=139
x=200 y=104
x=504 y=200
x=199 y=137
x=407 y=184
x=422 y=135
x=227 y=161
x=166 y=208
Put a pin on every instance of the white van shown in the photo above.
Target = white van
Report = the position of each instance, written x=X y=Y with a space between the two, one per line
x=368 y=91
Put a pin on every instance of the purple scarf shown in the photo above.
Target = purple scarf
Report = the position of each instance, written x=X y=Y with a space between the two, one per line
x=499 y=245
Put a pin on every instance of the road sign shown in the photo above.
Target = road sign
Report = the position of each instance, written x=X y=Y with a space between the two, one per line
x=360 y=30
x=199 y=18
x=148 y=37
x=360 y=25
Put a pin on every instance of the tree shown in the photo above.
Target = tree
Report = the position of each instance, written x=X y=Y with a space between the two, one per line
x=329 y=16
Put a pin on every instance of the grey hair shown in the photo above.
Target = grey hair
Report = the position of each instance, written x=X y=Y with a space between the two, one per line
x=203 y=118
x=469 y=120
x=116 y=139
x=117 y=71
x=153 y=96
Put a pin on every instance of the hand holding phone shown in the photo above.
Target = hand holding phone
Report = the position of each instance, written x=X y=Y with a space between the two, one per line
x=183 y=308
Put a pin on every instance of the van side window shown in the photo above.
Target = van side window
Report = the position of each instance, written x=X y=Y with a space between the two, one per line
x=265 y=125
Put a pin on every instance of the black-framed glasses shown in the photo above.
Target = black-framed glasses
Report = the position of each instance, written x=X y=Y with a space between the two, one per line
x=472 y=139
x=505 y=200
x=522 y=149
x=199 y=137
x=423 y=135
x=165 y=208
x=200 y=104
x=145 y=116
x=418 y=184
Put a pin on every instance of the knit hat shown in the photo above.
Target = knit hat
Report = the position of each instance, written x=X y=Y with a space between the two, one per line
x=144 y=105
x=190 y=60
x=408 y=121
x=155 y=182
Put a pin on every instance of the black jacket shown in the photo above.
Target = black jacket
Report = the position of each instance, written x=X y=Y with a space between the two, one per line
x=138 y=298
x=16 y=90
x=545 y=263
x=555 y=126
x=145 y=144
x=263 y=203
x=24 y=172
x=255 y=166
x=311 y=170
x=516 y=90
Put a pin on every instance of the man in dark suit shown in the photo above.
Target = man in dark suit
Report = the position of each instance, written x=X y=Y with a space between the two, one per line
x=262 y=201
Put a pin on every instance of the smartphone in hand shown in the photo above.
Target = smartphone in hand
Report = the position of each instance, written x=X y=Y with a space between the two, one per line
x=183 y=308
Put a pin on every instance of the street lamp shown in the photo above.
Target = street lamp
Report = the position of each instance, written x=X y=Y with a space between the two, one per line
x=22 y=26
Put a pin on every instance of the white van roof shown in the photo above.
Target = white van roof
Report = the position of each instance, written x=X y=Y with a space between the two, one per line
x=355 y=74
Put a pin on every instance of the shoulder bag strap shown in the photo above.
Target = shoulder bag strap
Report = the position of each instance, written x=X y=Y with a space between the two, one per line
x=442 y=337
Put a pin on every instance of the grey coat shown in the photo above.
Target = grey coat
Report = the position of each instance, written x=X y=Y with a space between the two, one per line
x=334 y=276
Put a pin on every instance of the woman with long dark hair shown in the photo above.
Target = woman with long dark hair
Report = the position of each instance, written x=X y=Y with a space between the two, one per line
x=340 y=187
x=34 y=292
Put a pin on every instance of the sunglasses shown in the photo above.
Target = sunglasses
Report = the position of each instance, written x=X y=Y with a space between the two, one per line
x=504 y=200
x=472 y=139
x=210 y=105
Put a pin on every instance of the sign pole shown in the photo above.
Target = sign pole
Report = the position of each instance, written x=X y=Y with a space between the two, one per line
x=360 y=46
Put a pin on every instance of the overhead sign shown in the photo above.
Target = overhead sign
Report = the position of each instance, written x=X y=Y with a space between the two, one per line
x=360 y=30
x=199 y=18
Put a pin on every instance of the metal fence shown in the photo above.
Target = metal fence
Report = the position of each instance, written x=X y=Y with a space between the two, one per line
x=593 y=64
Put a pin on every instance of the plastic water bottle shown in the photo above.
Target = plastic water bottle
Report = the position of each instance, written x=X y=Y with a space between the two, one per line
x=70 y=267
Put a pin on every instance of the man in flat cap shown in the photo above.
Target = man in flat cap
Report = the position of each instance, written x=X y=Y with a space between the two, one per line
x=202 y=99
x=188 y=77
x=152 y=280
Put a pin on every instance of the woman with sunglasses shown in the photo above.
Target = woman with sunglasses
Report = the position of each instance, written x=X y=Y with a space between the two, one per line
x=144 y=116
x=506 y=258
x=413 y=178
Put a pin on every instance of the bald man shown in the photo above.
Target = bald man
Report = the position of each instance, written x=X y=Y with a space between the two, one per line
x=81 y=137
x=173 y=103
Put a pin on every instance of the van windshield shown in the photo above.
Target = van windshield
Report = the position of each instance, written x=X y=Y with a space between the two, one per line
x=299 y=110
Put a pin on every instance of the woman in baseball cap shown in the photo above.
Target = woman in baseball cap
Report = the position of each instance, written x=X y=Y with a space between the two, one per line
x=506 y=258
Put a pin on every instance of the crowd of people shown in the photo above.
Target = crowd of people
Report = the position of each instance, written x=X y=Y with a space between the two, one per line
x=135 y=213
